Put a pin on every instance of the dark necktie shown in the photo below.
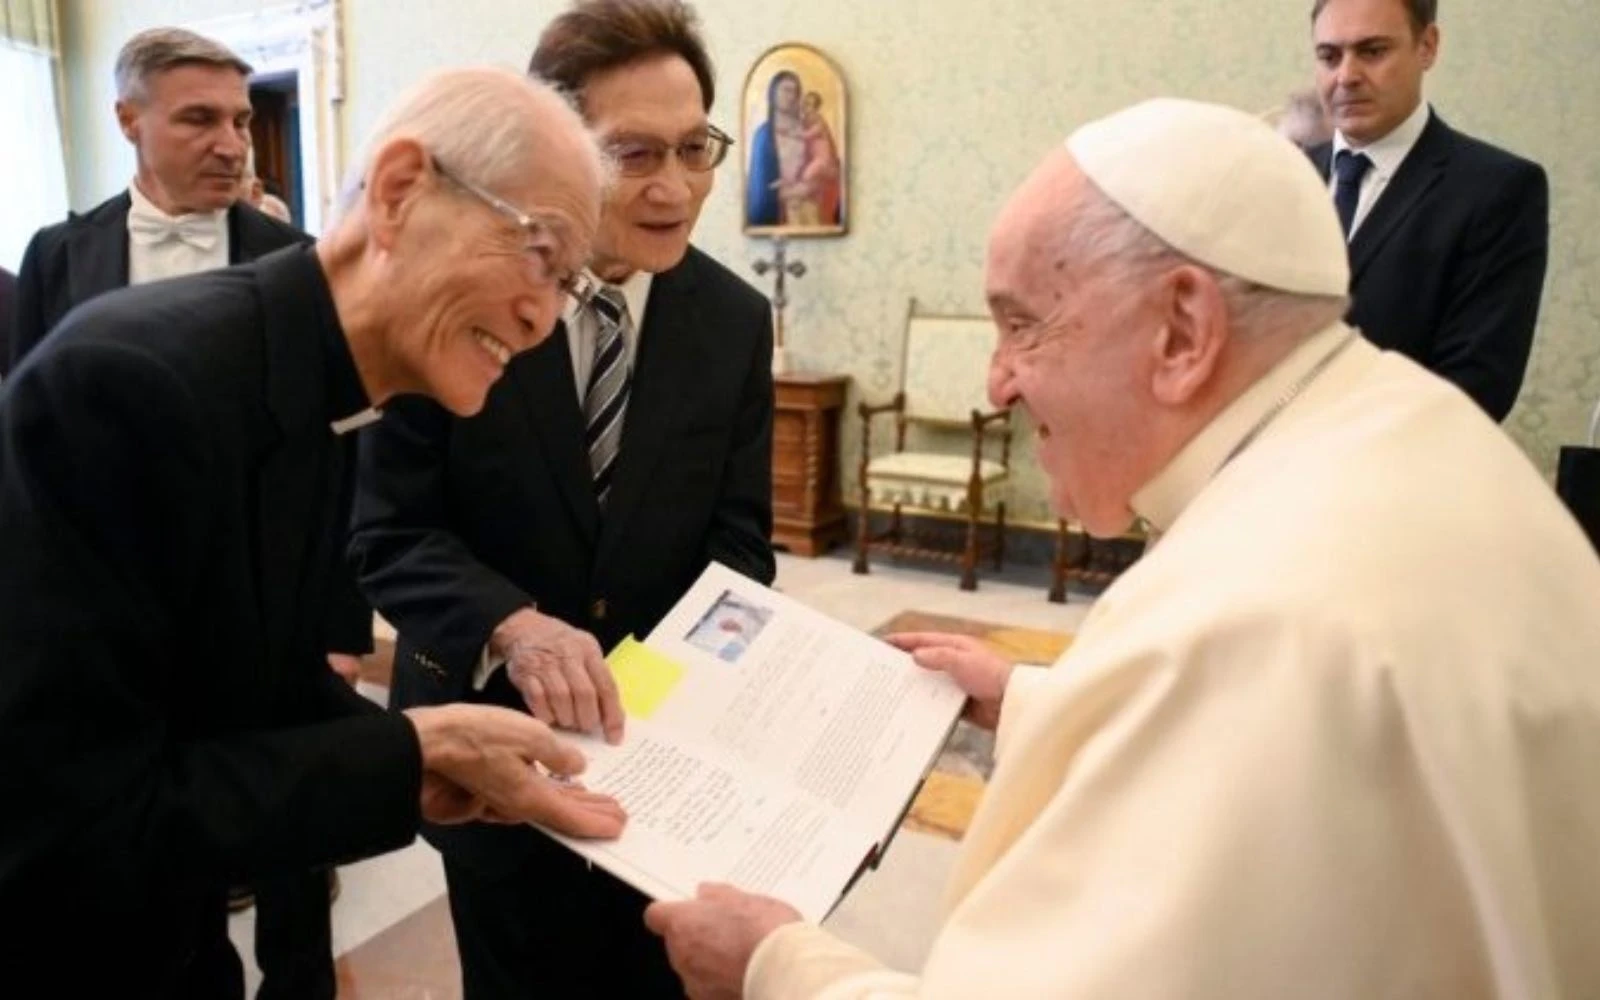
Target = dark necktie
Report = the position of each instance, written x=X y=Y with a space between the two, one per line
x=1348 y=169
x=605 y=400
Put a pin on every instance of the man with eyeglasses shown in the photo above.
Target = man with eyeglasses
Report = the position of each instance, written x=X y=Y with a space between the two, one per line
x=183 y=103
x=606 y=471
x=173 y=485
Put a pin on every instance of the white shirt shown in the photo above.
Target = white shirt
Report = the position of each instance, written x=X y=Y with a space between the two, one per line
x=1386 y=155
x=583 y=327
x=1334 y=737
x=173 y=257
x=355 y=421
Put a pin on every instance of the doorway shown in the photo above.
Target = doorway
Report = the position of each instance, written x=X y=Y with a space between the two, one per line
x=275 y=134
x=297 y=50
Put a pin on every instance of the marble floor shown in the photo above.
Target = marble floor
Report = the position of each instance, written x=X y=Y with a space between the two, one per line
x=391 y=924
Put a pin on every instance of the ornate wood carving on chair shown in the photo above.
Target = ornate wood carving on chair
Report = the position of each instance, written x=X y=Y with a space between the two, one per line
x=943 y=398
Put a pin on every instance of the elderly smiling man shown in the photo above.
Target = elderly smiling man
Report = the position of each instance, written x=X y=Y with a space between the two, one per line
x=1334 y=736
x=171 y=486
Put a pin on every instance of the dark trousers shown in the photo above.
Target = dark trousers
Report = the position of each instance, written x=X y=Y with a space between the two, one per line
x=553 y=928
x=211 y=970
x=138 y=940
x=294 y=942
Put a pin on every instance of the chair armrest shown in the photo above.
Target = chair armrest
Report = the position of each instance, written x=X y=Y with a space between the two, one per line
x=895 y=405
x=979 y=419
x=980 y=428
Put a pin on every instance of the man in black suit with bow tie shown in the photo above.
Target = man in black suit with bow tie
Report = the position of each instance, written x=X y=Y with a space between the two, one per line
x=183 y=103
x=1449 y=236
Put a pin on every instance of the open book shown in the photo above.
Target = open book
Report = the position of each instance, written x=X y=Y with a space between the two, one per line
x=768 y=746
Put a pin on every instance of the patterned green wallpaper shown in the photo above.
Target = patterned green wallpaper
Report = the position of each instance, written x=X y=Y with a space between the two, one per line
x=954 y=100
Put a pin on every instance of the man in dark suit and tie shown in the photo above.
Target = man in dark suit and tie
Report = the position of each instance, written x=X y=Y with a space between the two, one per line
x=173 y=493
x=183 y=103
x=607 y=470
x=1449 y=236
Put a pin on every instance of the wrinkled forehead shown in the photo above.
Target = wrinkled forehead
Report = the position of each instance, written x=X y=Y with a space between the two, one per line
x=567 y=213
x=1026 y=240
x=564 y=176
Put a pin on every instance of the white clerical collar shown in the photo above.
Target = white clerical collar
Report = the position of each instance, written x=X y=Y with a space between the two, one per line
x=1163 y=498
x=635 y=291
x=356 y=421
x=1390 y=151
x=144 y=206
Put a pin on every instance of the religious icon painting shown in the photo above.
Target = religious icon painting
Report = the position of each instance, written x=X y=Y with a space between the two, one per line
x=794 y=156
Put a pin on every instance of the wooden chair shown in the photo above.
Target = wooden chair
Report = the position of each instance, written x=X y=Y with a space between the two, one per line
x=1080 y=558
x=943 y=398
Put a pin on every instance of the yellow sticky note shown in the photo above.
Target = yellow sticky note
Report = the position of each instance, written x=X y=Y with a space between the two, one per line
x=644 y=677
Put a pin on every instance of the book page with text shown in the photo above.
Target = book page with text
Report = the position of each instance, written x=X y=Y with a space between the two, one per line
x=693 y=818
x=767 y=746
x=836 y=712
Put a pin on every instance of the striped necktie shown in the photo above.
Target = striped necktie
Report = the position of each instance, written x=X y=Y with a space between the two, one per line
x=605 y=400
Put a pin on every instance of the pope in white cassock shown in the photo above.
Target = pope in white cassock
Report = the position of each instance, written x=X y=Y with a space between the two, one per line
x=1338 y=733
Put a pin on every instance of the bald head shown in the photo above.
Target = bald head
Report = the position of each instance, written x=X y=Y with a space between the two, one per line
x=493 y=126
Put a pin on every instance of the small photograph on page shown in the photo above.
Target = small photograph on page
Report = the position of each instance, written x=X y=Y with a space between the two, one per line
x=729 y=628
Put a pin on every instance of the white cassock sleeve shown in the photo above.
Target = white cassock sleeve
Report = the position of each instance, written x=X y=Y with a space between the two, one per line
x=1235 y=814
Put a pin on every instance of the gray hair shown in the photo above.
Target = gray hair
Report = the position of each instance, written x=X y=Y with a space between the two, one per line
x=1303 y=120
x=1101 y=238
x=475 y=122
x=160 y=49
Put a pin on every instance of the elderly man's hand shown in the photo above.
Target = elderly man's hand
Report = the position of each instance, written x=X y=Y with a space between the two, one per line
x=975 y=668
x=560 y=672
x=483 y=762
x=710 y=938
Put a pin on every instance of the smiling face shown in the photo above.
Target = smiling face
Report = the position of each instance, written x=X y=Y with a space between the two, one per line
x=1068 y=353
x=1370 y=64
x=471 y=286
x=190 y=132
x=646 y=222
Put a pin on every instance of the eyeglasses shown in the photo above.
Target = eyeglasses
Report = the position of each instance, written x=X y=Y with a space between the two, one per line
x=541 y=239
x=641 y=156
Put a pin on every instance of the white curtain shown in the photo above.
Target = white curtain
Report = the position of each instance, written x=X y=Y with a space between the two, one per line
x=33 y=169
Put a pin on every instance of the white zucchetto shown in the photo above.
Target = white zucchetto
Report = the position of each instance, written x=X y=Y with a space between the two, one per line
x=1221 y=187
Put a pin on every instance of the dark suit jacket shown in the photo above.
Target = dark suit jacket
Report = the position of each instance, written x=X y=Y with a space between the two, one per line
x=458 y=523
x=168 y=724
x=8 y=296
x=1448 y=267
x=71 y=262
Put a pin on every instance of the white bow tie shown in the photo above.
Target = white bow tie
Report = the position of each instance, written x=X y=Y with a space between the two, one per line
x=151 y=228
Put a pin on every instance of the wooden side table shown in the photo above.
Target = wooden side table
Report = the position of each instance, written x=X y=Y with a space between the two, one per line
x=807 y=510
